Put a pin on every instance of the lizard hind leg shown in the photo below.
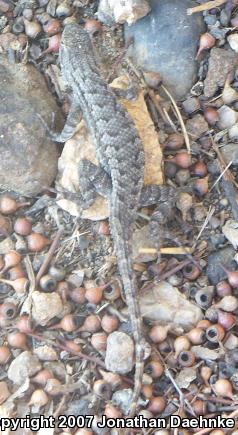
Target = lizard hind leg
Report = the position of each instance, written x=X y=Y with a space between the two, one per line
x=70 y=127
x=93 y=180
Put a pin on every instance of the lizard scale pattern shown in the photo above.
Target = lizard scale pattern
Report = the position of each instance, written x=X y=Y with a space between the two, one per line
x=120 y=154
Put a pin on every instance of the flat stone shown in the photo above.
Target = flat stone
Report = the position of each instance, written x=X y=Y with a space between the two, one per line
x=22 y=367
x=221 y=63
x=166 y=41
x=28 y=157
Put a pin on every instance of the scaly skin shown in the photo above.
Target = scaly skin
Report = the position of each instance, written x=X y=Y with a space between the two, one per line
x=120 y=154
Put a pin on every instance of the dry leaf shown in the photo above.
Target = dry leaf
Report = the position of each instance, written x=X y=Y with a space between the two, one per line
x=146 y=129
x=185 y=377
x=205 y=353
x=81 y=147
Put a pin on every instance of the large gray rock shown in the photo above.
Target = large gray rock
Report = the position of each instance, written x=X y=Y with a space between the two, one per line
x=28 y=158
x=166 y=41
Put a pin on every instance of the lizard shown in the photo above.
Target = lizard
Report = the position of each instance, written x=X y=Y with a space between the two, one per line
x=119 y=177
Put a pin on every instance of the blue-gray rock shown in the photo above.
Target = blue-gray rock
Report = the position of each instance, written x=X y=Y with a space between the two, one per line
x=166 y=41
x=223 y=256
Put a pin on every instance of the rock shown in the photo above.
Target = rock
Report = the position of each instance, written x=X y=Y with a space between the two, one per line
x=46 y=353
x=22 y=367
x=230 y=231
x=142 y=238
x=121 y=11
x=163 y=34
x=191 y=105
x=167 y=306
x=202 y=352
x=227 y=117
x=233 y=132
x=122 y=399
x=233 y=41
x=230 y=153
x=82 y=406
x=196 y=126
x=221 y=63
x=28 y=157
x=185 y=377
x=119 y=353
x=223 y=256
x=45 y=306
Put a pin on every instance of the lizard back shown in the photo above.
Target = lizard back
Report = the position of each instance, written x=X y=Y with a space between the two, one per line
x=120 y=153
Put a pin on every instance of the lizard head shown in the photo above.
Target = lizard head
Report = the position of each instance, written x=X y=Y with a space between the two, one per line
x=74 y=36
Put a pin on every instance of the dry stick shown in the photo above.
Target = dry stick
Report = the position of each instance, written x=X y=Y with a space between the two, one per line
x=174 y=270
x=205 y=6
x=204 y=431
x=158 y=106
x=49 y=256
x=220 y=176
x=186 y=138
x=65 y=348
x=208 y=217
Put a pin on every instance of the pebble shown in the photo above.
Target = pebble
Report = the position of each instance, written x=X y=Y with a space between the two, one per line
x=122 y=399
x=46 y=353
x=45 y=306
x=230 y=153
x=83 y=406
x=142 y=238
x=214 y=271
x=4 y=6
x=119 y=353
x=221 y=62
x=224 y=202
x=214 y=222
x=227 y=117
x=23 y=94
x=233 y=132
x=196 y=126
x=22 y=367
x=233 y=41
x=166 y=41
x=210 y=20
x=191 y=105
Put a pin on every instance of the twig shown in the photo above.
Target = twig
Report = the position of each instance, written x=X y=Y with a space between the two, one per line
x=221 y=175
x=158 y=106
x=181 y=395
x=204 y=431
x=49 y=256
x=186 y=138
x=205 y=6
x=174 y=270
x=208 y=217
x=65 y=348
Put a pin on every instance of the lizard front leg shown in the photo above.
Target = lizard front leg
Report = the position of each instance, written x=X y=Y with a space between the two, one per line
x=93 y=180
x=71 y=124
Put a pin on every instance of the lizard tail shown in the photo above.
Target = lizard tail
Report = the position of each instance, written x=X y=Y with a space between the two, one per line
x=121 y=230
